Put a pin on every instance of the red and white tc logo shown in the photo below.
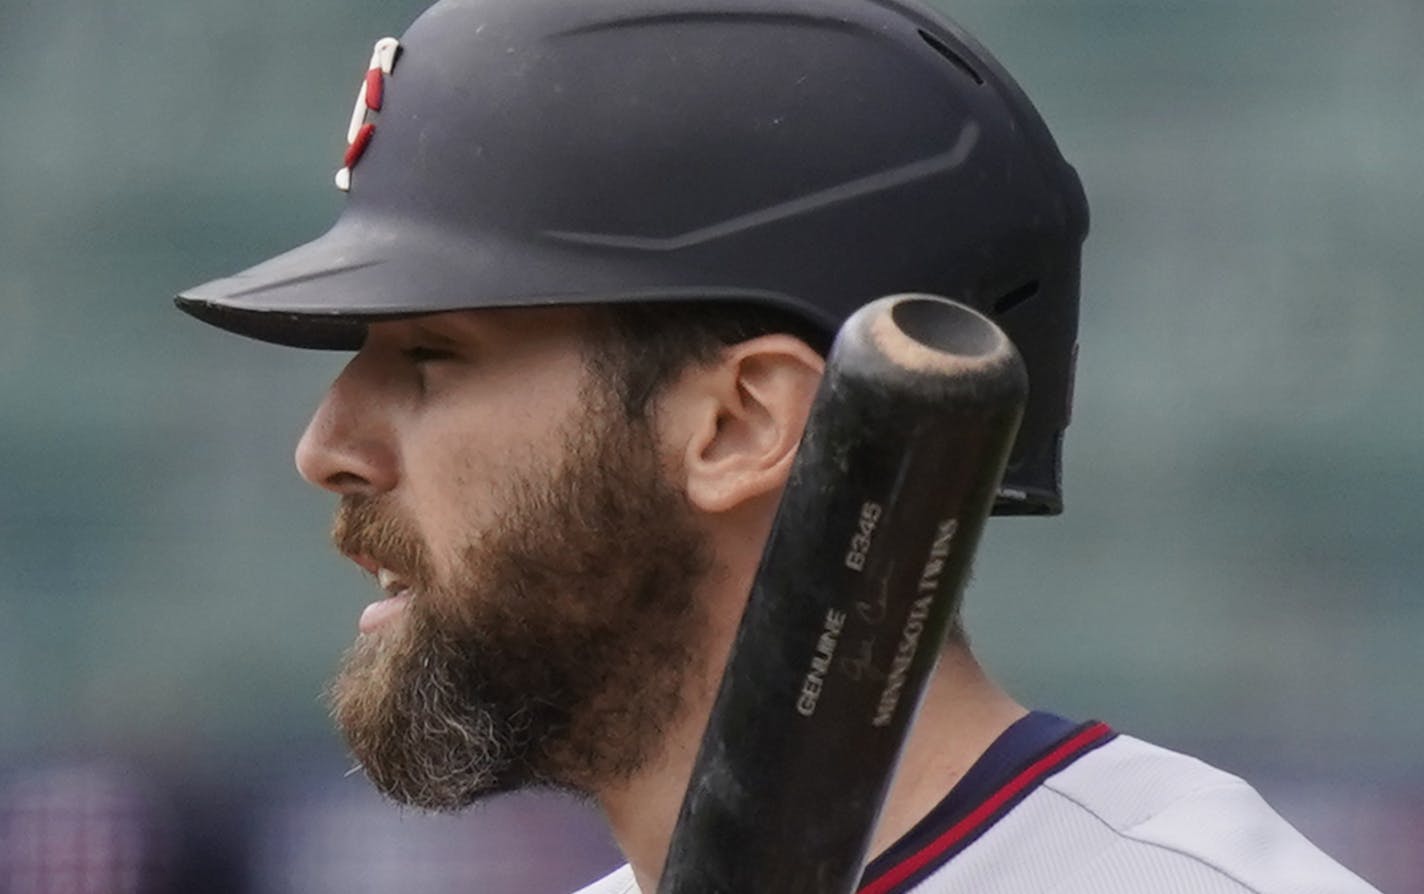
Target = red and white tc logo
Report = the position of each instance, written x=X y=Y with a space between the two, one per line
x=368 y=101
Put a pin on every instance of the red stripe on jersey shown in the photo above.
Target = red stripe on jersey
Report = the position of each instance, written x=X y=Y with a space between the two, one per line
x=1031 y=775
x=358 y=145
x=375 y=86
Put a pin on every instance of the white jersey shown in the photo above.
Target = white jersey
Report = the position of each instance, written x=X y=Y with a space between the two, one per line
x=1054 y=807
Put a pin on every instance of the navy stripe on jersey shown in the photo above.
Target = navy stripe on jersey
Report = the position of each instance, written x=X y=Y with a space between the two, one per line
x=1028 y=752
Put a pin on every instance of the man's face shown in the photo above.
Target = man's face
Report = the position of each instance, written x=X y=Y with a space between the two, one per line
x=539 y=622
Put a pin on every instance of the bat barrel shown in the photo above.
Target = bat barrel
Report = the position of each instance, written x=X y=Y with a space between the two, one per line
x=860 y=579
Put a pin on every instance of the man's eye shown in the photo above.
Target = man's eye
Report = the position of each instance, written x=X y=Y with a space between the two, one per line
x=421 y=354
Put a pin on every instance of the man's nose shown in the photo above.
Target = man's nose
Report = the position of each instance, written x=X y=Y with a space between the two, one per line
x=347 y=448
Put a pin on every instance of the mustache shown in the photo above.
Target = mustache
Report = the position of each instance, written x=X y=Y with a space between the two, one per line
x=374 y=528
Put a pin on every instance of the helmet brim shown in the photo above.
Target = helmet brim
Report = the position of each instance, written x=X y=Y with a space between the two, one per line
x=324 y=293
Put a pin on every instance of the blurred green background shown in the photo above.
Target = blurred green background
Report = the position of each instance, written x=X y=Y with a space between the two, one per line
x=1238 y=573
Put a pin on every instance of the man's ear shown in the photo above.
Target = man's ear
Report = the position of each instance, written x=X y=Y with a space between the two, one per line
x=745 y=423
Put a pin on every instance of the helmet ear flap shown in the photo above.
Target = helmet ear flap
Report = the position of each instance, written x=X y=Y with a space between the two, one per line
x=1013 y=298
x=1041 y=318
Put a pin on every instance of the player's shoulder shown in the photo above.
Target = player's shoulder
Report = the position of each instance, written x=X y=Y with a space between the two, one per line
x=1121 y=818
x=1129 y=781
x=1165 y=812
x=619 y=881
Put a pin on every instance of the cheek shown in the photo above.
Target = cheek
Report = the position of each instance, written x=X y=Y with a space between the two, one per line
x=459 y=474
x=464 y=448
x=449 y=489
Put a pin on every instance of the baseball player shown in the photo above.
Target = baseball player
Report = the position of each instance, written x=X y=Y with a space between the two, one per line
x=591 y=258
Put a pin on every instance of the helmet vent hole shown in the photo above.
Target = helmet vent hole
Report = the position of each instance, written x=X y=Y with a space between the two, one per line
x=1013 y=299
x=943 y=49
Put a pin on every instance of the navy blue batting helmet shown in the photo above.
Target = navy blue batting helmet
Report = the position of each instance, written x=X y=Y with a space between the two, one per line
x=809 y=155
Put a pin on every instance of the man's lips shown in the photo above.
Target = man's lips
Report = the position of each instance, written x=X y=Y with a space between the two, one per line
x=398 y=593
x=379 y=614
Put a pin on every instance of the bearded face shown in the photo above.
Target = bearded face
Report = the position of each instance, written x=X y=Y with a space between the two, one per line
x=552 y=650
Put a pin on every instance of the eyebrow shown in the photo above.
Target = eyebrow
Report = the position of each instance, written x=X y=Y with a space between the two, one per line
x=453 y=327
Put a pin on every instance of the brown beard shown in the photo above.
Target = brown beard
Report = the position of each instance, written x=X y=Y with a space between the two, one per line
x=556 y=653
